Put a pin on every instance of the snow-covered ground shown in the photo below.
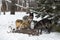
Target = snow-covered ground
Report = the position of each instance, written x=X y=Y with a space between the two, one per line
x=7 y=20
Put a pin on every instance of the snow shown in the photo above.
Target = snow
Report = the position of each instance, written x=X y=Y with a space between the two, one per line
x=37 y=19
x=16 y=4
x=8 y=1
x=7 y=20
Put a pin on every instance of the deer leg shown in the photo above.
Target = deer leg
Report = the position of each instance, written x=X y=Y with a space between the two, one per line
x=41 y=31
x=38 y=31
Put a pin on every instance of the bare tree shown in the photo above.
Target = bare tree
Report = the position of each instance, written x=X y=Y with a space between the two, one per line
x=13 y=6
x=4 y=6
